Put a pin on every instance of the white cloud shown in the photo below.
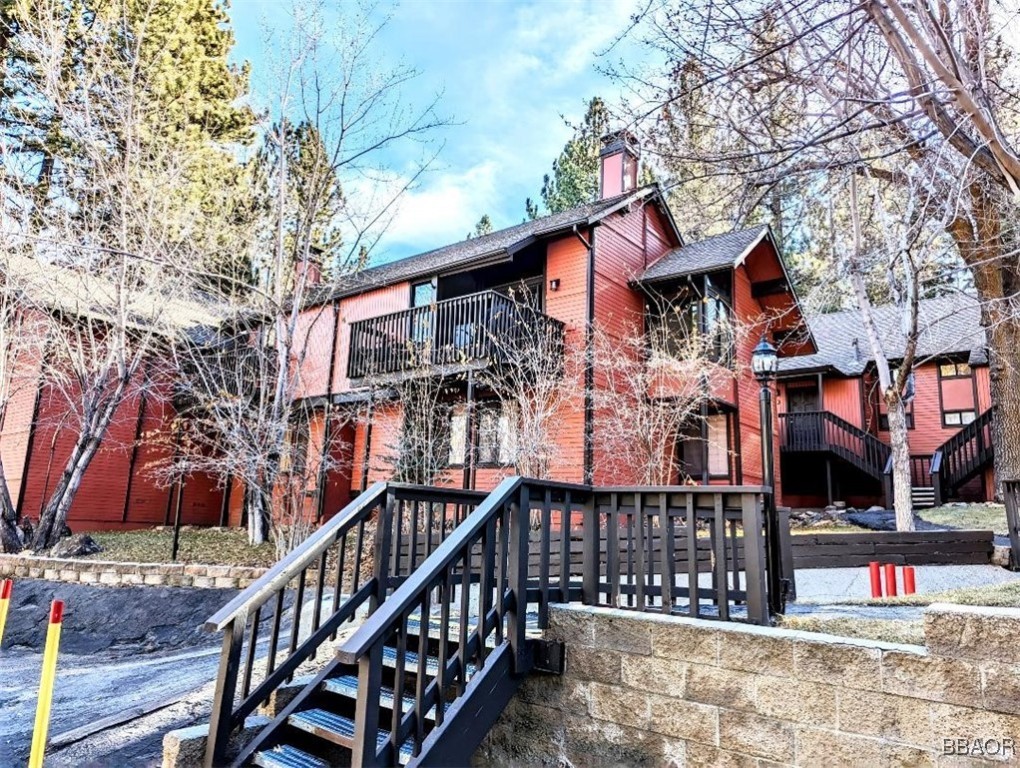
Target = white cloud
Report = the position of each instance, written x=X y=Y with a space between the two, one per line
x=442 y=209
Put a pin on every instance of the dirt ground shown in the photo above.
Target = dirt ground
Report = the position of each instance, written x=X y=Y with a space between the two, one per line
x=120 y=647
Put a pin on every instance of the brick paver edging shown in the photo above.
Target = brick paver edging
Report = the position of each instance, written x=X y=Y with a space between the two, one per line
x=128 y=574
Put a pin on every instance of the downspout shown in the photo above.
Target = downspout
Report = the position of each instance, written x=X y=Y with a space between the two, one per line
x=326 y=427
x=370 y=415
x=589 y=358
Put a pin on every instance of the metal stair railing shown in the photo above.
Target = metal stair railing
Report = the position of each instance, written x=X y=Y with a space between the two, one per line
x=825 y=431
x=962 y=456
x=337 y=553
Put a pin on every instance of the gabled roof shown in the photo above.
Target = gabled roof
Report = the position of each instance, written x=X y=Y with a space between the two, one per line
x=719 y=252
x=494 y=247
x=950 y=325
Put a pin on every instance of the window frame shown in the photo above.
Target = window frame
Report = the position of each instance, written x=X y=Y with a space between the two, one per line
x=959 y=413
x=483 y=409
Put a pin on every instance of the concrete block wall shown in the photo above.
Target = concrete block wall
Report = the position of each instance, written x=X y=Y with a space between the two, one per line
x=128 y=574
x=642 y=689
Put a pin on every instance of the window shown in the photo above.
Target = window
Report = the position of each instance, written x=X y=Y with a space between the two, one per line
x=718 y=438
x=954 y=370
x=458 y=434
x=496 y=445
x=423 y=294
x=698 y=312
x=957 y=418
x=710 y=455
x=956 y=394
x=883 y=419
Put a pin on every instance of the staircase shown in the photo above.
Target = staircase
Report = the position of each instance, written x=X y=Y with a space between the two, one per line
x=822 y=431
x=962 y=457
x=449 y=591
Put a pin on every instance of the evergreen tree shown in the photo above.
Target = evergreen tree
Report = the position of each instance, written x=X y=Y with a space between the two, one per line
x=313 y=200
x=483 y=227
x=575 y=173
x=166 y=61
x=530 y=210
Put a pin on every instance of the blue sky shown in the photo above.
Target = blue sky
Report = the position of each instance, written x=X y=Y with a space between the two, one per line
x=507 y=71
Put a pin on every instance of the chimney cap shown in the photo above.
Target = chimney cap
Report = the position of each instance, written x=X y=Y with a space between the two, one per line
x=622 y=140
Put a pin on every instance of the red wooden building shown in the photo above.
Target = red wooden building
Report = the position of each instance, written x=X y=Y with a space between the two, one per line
x=39 y=422
x=609 y=263
x=834 y=432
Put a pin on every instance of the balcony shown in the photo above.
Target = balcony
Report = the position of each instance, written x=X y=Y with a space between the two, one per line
x=468 y=332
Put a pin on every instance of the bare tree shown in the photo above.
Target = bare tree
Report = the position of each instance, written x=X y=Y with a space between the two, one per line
x=651 y=388
x=325 y=197
x=536 y=380
x=892 y=233
x=804 y=88
x=93 y=248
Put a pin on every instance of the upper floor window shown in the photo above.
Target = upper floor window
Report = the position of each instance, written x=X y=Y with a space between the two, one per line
x=957 y=397
x=696 y=321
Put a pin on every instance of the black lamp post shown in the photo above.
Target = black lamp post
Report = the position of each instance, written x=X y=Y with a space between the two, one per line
x=764 y=363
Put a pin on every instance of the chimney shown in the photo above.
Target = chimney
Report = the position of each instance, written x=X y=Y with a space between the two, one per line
x=619 y=159
x=308 y=270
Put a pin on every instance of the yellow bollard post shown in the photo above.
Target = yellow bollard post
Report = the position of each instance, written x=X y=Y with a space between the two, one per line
x=49 y=671
x=5 y=600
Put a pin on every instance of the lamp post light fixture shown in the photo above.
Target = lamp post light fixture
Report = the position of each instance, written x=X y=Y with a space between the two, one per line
x=764 y=363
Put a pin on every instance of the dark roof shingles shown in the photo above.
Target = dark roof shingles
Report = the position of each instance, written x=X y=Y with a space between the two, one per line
x=475 y=249
x=704 y=256
x=949 y=325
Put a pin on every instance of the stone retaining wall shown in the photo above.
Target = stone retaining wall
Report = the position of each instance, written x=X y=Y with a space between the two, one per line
x=127 y=574
x=655 y=690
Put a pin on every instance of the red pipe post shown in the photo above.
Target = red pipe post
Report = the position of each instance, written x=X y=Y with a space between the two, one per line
x=890 y=580
x=908 y=580
x=876 y=579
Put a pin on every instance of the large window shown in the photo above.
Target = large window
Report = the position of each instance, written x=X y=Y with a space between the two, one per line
x=495 y=439
x=956 y=394
x=695 y=320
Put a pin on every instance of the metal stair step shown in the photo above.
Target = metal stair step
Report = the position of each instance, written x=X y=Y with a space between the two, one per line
x=286 y=756
x=411 y=662
x=338 y=730
x=347 y=686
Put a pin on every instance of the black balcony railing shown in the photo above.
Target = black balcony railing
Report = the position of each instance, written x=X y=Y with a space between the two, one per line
x=480 y=328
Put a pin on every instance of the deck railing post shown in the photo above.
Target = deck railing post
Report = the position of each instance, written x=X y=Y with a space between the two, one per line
x=590 y=553
x=383 y=543
x=754 y=557
x=517 y=621
x=226 y=689
x=786 y=553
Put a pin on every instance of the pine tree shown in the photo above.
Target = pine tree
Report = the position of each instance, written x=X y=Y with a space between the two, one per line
x=483 y=227
x=575 y=173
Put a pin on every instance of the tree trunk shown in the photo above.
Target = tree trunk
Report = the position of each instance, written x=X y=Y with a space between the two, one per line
x=1004 y=360
x=997 y=279
x=10 y=536
x=902 y=501
x=54 y=516
x=258 y=517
